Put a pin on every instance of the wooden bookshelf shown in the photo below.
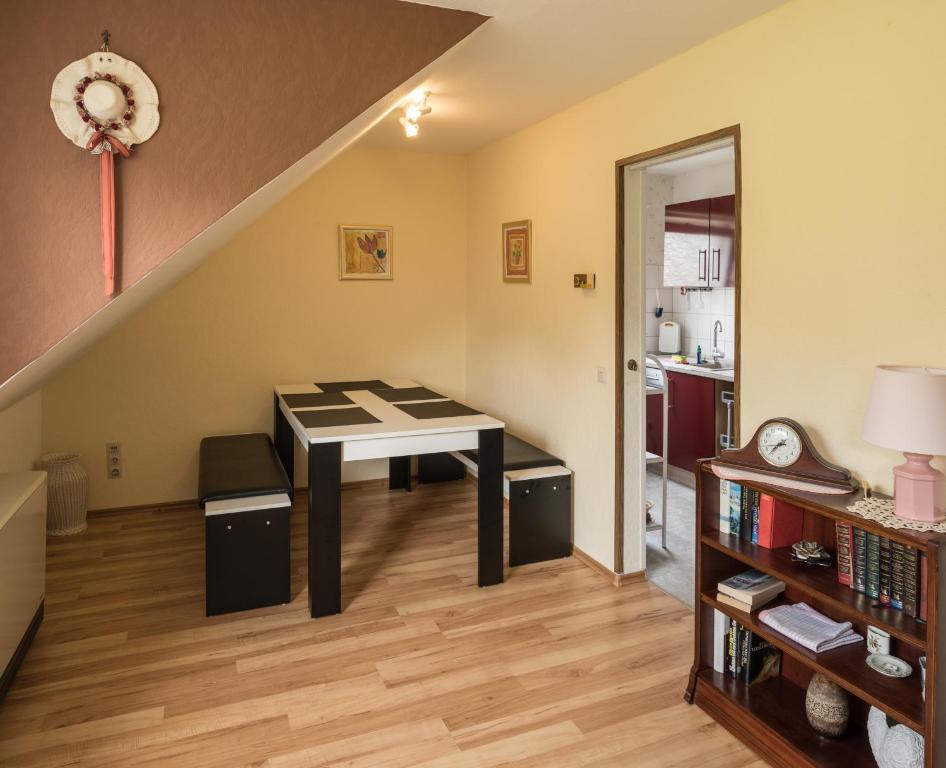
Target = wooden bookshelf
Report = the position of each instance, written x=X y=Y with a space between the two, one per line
x=770 y=716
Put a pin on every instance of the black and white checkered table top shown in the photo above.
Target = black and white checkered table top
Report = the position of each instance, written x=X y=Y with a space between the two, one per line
x=374 y=409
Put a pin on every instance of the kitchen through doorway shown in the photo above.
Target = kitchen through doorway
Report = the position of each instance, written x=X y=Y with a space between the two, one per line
x=681 y=222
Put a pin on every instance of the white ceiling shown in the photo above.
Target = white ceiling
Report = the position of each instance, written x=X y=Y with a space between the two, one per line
x=534 y=58
x=695 y=161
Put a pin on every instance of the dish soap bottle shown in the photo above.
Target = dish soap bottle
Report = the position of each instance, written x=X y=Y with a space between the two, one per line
x=699 y=354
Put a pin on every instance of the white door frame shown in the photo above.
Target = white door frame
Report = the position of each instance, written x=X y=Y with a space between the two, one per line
x=629 y=527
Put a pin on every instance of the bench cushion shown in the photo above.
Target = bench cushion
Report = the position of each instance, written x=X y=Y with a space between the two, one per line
x=518 y=454
x=236 y=466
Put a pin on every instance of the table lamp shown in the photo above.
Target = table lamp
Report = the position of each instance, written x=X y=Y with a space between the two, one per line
x=907 y=412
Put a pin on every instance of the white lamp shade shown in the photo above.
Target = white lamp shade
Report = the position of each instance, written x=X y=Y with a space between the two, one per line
x=907 y=409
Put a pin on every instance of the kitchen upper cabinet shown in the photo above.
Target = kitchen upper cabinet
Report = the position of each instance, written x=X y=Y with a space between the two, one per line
x=686 y=243
x=722 y=242
x=699 y=243
x=691 y=420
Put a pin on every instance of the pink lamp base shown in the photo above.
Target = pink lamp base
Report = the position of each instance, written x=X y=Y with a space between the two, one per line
x=918 y=489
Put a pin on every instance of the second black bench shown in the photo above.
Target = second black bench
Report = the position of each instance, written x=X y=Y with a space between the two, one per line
x=538 y=487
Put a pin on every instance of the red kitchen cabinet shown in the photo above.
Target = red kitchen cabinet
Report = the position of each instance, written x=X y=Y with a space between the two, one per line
x=700 y=243
x=691 y=420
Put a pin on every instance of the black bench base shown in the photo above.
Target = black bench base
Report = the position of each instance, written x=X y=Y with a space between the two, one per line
x=246 y=494
x=438 y=468
x=247 y=560
x=540 y=519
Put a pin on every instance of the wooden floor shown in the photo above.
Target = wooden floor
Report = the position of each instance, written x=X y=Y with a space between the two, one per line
x=553 y=668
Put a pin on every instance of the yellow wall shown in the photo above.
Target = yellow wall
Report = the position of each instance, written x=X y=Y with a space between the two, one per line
x=843 y=233
x=21 y=434
x=843 y=257
x=269 y=308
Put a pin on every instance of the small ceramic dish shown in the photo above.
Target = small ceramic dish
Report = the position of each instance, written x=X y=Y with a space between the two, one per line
x=890 y=666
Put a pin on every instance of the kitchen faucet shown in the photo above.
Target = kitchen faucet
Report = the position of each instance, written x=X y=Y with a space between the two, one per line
x=717 y=352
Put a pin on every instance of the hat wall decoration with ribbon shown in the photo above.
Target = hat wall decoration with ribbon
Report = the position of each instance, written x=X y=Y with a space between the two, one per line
x=104 y=104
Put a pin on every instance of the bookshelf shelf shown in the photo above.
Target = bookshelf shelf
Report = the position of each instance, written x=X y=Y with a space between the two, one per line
x=821 y=584
x=898 y=697
x=770 y=716
x=771 y=708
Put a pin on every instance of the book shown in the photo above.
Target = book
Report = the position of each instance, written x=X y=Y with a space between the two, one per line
x=724 y=506
x=745 y=515
x=896 y=575
x=733 y=645
x=911 y=579
x=780 y=524
x=754 y=499
x=924 y=598
x=720 y=640
x=859 y=556
x=734 y=602
x=884 y=570
x=845 y=563
x=872 y=578
x=763 y=661
x=752 y=588
x=745 y=638
x=735 y=505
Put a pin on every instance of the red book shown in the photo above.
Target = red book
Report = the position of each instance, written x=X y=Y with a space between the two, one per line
x=780 y=524
x=845 y=556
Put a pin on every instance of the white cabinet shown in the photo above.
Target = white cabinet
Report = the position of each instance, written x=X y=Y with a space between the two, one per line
x=22 y=558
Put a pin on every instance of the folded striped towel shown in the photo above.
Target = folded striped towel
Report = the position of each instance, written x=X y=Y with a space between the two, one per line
x=803 y=624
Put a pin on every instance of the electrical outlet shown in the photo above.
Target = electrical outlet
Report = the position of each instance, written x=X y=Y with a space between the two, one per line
x=602 y=375
x=113 y=461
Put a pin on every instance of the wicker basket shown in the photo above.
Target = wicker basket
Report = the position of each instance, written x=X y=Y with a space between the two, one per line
x=67 y=485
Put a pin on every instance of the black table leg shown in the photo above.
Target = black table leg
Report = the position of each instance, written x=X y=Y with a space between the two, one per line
x=285 y=441
x=399 y=473
x=489 y=502
x=325 y=529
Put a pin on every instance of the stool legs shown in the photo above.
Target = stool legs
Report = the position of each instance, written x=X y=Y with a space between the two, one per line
x=284 y=441
x=489 y=503
x=325 y=529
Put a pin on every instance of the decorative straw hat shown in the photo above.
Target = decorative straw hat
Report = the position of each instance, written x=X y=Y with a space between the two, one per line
x=104 y=92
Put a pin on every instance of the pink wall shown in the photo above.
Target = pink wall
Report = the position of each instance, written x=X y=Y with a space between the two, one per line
x=247 y=87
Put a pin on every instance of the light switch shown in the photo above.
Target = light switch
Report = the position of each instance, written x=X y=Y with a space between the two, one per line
x=602 y=374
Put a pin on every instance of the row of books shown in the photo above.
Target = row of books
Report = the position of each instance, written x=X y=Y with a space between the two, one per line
x=742 y=654
x=757 y=517
x=892 y=573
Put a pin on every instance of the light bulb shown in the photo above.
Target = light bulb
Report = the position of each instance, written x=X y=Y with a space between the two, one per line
x=411 y=130
x=413 y=113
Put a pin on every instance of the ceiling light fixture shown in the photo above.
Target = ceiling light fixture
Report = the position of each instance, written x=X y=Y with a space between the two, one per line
x=411 y=129
x=413 y=112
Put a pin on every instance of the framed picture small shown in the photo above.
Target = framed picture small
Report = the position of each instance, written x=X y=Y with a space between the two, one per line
x=517 y=251
x=365 y=253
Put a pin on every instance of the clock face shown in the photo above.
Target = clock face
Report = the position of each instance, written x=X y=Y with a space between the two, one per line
x=779 y=444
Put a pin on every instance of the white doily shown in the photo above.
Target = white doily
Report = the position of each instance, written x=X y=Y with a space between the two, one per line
x=881 y=511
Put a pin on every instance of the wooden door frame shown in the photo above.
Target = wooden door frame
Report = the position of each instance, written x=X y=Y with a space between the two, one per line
x=730 y=132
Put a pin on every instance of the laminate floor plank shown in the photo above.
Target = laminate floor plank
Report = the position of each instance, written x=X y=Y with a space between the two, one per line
x=555 y=667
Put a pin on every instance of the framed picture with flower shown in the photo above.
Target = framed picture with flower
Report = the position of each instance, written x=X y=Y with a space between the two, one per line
x=365 y=253
x=517 y=251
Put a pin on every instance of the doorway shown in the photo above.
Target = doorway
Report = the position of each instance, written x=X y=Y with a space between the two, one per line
x=677 y=344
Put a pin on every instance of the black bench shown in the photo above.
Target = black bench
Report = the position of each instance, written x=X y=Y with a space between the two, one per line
x=538 y=487
x=246 y=497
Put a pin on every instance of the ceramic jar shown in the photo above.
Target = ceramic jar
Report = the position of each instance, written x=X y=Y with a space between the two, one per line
x=67 y=485
x=826 y=706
